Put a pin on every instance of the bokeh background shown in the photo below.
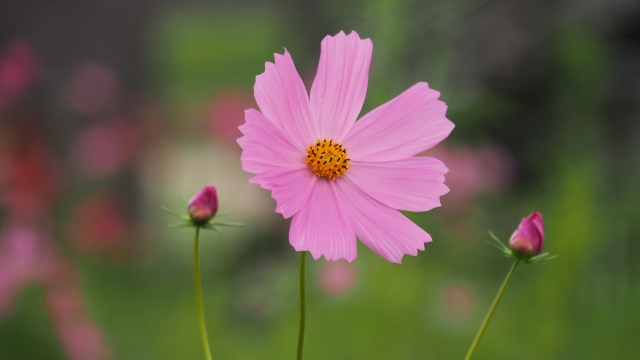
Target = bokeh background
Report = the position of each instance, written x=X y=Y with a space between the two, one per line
x=110 y=109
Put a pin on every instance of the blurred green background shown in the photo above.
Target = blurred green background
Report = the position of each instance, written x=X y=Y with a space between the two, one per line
x=110 y=109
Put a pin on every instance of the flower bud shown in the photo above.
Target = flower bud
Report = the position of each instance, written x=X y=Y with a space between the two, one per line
x=528 y=239
x=204 y=205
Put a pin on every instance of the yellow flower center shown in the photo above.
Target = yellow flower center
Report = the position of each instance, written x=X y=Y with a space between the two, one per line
x=328 y=159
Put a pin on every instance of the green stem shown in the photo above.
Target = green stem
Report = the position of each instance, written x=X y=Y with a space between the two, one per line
x=492 y=310
x=302 y=305
x=203 y=326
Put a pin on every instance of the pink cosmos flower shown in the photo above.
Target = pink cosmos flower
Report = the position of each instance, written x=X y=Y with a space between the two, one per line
x=340 y=179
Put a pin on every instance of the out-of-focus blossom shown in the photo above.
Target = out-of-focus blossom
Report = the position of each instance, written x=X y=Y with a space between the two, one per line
x=458 y=300
x=190 y=167
x=337 y=278
x=93 y=88
x=99 y=226
x=204 y=205
x=19 y=67
x=150 y=121
x=29 y=179
x=81 y=339
x=104 y=148
x=528 y=239
x=21 y=250
x=473 y=171
x=26 y=257
x=339 y=178
x=224 y=113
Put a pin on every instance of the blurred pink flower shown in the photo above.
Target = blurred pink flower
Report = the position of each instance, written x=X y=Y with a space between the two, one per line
x=28 y=182
x=337 y=278
x=19 y=67
x=26 y=256
x=458 y=300
x=29 y=178
x=99 y=226
x=104 y=148
x=93 y=88
x=225 y=113
x=149 y=119
x=21 y=250
x=79 y=336
x=336 y=177
x=473 y=171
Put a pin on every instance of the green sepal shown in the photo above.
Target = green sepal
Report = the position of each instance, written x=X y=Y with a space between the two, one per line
x=186 y=224
x=510 y=254
x=499 y=245
x=541 y=257
x=179 y=216
x=212 y=224
x=230 y=224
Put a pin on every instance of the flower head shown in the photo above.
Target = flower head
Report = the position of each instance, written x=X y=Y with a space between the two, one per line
x=528 y=239
x=339 y=178
x=204 y=205
x=19 y=69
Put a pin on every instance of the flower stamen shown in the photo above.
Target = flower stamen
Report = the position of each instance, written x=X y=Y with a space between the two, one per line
x=328 y=159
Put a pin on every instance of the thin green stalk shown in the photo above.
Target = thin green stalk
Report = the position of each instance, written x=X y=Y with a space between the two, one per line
x=302 y=305
x=196 y=268
x=492 y=310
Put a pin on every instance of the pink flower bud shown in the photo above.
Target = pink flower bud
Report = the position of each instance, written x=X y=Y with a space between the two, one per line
x=528 y=239
x=204 y=205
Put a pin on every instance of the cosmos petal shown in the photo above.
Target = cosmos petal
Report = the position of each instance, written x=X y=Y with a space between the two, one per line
x=283 y=99
x=265 y=146
x=322 y=228
x=381 y=228
x=413 y=184
x=290 y=187
x=412 y=122
x=340 y=86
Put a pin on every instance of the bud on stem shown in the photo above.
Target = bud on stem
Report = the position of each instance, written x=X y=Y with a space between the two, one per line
x=204 y=205
x=528 y=239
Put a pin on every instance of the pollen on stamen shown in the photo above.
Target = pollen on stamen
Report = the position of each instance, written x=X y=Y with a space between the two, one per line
x=328 y=159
